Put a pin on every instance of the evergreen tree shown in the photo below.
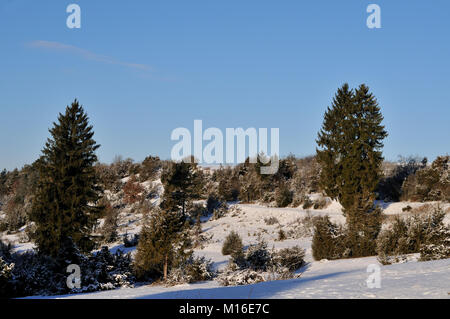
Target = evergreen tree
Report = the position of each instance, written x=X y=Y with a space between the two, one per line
x=349 y=152
x=65 y=201
x=3 y=180
x=232 y=244
x=162 y=244
x=182 y=183
x=149 y=168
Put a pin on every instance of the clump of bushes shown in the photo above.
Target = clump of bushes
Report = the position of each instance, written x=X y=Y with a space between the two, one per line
x=258 y=264
x=132 y=241
x=355 y=239
x=133 y=191
x=307 y=203
x=191 y=270
x=232 y=244
x=320 y=203
x=29 y=273
x=289 y=258
x=302 y=227
x=271 y=221
x=257 y=257
x=420 y=233
x=104 y=271
x=149 y=168
x=430 y=183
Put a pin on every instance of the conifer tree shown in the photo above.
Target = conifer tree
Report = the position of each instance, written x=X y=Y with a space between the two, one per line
x=182 y=183
x=350 y=143
x=162 y=243
x=65 y=202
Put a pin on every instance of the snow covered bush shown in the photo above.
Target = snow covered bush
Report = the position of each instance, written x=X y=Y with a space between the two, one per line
x=130 y=240
x=257 y=257
x=290 y=258
x=192 y=270
x=215 y=206
x=425 y=234
x=321 y=203
x=259 y=264
x=240 y=277
x=220 y=211
x=271 y=221
x=34 y=274
x=302 y=227
x=437 y=244
x=5 y=277
x=328 y=240
x=394 y=240
x=430 y=183
x=30 y=274
x=105 y=271
x=232 y=244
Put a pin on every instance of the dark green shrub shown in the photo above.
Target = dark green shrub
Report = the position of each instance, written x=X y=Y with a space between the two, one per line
x=307 y=203
x=283 y=196
x=232 y=244
x=407 y=209
x=362 y=233
x=271 y=221
x=257 y=256
x=130 y=241
x=328 y=240
x=291 y=258
x=212 y=203
x=281 y=235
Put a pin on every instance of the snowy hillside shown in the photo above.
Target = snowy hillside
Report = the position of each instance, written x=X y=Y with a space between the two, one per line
x=320 y=279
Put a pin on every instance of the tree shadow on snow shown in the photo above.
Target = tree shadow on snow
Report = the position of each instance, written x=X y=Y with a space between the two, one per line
x=263 y=290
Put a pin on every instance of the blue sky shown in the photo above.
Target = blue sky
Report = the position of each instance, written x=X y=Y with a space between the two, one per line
x=144 y=68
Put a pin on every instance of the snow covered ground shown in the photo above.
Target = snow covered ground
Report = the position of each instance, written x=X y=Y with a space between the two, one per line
x=320 y=279
x=332 y=279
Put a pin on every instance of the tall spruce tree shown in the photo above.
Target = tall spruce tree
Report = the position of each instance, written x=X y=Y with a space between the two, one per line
x=350 y=143
x=65 y=203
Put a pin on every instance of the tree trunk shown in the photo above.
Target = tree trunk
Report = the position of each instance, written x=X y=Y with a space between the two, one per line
x=165 y=267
